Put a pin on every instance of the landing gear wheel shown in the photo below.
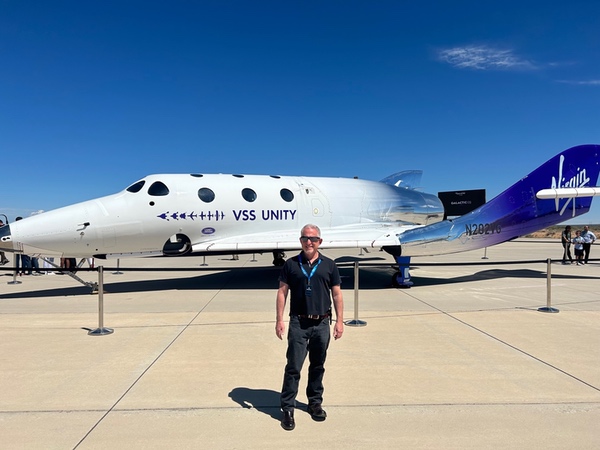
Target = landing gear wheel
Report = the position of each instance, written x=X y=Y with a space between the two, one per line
x=398 y=281
x=278 y=258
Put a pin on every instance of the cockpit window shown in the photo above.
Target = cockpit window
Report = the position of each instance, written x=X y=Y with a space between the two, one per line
x=287 y=195
x=135 y=187
x=158 y=189
x=248 y=194
x=206 y=195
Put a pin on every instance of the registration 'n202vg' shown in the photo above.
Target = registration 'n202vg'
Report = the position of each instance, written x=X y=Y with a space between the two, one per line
x=482 y=228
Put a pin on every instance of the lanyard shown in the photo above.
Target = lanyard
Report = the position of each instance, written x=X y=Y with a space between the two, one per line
x=304 y=271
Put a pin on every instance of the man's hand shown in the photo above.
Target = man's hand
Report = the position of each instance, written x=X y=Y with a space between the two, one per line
x=282 y=293
x=338 y=330
x=280 y=328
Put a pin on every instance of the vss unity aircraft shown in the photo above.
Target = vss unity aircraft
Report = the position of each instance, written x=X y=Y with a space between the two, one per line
x=204 y=214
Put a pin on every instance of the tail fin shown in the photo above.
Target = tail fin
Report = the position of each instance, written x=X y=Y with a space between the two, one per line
x=409 y=179
x=516 y=211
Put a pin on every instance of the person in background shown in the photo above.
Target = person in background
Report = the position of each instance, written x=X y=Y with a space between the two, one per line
x=48 y=266
x=3 y=259
x=35 y=265
x=18 y=256
x=588 y=239
x=578 y=243
x=25 y=264
x=566 y=243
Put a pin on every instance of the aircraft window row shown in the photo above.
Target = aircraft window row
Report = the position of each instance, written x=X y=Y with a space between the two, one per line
x=207 y=195
x=200 y=175
x=157 y=189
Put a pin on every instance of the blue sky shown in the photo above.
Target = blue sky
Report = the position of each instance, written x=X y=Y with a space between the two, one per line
x=95 y=95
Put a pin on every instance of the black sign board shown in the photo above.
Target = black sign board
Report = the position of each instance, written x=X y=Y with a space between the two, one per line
x=457 y=203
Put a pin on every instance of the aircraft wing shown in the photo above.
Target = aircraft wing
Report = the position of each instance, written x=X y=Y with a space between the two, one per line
x=372 y=235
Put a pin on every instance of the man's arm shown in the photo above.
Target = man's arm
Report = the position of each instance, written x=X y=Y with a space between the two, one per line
x=282 y=293
x=338 y=305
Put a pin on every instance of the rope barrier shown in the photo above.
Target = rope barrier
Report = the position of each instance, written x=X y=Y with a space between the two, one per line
x=101 y=330
x=341 y=264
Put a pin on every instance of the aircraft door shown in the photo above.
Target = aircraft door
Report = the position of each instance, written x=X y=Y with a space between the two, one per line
x=316 y=203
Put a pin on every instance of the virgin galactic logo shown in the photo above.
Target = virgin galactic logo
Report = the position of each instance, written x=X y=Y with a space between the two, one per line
x=580 y=179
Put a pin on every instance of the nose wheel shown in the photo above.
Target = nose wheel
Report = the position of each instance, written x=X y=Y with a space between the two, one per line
x=177 y=245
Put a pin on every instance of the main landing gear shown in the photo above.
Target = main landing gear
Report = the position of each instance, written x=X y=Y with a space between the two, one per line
x=278 y=258
x=401 y=279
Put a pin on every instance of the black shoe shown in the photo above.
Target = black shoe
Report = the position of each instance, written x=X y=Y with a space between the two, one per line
x=316 y=412
x=287 y=422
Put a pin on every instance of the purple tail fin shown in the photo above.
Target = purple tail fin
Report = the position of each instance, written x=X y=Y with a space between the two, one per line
x=516 y=211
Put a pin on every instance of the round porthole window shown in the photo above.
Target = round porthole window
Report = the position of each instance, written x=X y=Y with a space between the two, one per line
x=248 y=194
x=206 y=195
x=286 y=195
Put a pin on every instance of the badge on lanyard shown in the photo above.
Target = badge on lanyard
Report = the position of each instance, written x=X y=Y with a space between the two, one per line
x=308 y=292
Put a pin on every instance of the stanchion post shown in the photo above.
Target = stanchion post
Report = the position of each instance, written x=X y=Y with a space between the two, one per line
x=204 y=261
x=356 y=322
x=548 y=308
x=101 y=330
x=484 y=253
x=118 y=272
x=14 y=280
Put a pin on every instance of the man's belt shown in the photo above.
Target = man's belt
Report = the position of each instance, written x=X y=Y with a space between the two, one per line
x=313 y=316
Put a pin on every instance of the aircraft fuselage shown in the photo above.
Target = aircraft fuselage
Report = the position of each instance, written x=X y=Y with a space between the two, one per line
x=176 y=214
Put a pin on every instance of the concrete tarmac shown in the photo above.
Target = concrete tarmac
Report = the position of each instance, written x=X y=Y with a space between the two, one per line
x=462 y=360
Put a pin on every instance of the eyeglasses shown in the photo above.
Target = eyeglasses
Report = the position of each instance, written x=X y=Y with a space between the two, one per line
x=310 y=238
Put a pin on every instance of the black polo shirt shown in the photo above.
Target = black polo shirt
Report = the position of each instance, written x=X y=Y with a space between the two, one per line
x=325 y=276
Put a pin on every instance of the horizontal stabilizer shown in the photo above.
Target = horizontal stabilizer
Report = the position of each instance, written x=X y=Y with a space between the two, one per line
x=568 y=193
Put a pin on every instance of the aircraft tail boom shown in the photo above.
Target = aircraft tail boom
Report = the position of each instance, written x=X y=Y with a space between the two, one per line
x=565 y=183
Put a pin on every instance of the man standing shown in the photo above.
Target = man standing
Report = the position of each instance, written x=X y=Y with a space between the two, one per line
x=312 y=279
x=3 y=259
x=588 y=240
x=566 y=243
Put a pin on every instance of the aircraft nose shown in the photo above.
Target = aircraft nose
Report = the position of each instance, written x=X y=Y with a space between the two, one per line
x=6 y=239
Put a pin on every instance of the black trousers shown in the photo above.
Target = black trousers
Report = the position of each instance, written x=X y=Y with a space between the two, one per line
x=305 y=336
x=567 y=252
x=586 y=251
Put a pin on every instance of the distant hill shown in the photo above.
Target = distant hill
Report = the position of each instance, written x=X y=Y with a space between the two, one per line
x=554 y=232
